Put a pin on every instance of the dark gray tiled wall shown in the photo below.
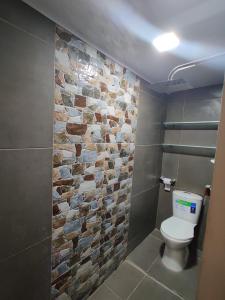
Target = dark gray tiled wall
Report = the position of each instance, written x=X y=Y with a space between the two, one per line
x=191 y=172
x=147 y=167
x=27 y=77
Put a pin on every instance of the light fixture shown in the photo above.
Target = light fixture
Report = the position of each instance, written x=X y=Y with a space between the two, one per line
x=166 y=41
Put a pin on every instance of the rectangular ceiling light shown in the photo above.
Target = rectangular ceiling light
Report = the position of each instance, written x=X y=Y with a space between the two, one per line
x=166 y=42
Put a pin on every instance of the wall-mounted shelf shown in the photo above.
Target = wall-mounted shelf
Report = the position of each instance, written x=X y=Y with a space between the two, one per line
x=190 y=150
x=202 y=125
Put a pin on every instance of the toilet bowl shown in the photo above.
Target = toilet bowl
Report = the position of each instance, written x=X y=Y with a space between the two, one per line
x=177 y=234
x=178 y=230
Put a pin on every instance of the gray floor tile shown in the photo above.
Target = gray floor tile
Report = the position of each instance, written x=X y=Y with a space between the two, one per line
x=150 y=290
x=156 y=233
x=145 y=254
x=124 y=280
x=103 y=293
x=184 y=283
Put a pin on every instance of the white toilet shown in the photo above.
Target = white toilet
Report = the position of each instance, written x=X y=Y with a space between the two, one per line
x=178 y=230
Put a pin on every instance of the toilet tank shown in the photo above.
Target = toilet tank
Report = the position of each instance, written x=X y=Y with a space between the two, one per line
x=187 y=206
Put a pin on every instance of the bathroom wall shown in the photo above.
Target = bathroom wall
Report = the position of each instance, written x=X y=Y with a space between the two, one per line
x=103 y=158
x=191 y=172
x=95 y=120
x=26 y=85
x=147 y=167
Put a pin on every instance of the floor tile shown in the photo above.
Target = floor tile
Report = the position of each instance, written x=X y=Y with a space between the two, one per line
x=156 y=233
x=145 y=254
x=184 y=283
x=150 y=290
x=103 y=293
x=124 y=280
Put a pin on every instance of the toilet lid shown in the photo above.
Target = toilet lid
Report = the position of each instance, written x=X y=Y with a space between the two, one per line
x=177 y=228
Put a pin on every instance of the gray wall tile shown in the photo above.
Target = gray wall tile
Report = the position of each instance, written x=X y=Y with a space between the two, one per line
x=170 y=165
x=142 y=215
x=23 y=16
x=202 y=110
x=147 y=168
x=164 y=210
x=203 y=104
x=172 y=137
x=27 y=275
x=27 y=78
x=174 y=108
x=26 y=209
x=149 y=125
x=192 y=173
x=26 y=90
x=198 y=137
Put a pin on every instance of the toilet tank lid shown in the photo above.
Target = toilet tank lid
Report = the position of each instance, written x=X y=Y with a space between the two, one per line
x=187 y=195
x=177 y=228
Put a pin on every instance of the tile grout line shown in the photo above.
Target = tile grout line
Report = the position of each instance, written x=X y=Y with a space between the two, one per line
x=166 y=287
x=26 y=249
x=147 y=145
x=136 y=267
x=154 y=261
x=24 y=31
x=161 y=284
x=111 y=290
x=28 y=148
x=149 y=189
x=152 y=278
x=133 y=291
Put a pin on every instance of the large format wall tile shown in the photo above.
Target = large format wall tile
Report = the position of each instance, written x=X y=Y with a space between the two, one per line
x=94 y=133
x=26 y=90
x=191 y=172
x=174 y=110
x=194 y=173
x=150 y=114
x=25 y=213
x=203 y=104
x=147 y=168
x=142 y=215
x=199 y=137
x=24 y=17
x=27 y=275
x=164 y=210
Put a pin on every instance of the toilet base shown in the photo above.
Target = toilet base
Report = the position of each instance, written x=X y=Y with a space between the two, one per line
x=175 y=259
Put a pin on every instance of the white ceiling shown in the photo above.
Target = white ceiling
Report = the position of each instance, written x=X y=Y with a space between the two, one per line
x=124 y=29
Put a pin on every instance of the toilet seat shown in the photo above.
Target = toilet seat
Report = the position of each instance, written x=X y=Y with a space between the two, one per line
x=178 y=229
